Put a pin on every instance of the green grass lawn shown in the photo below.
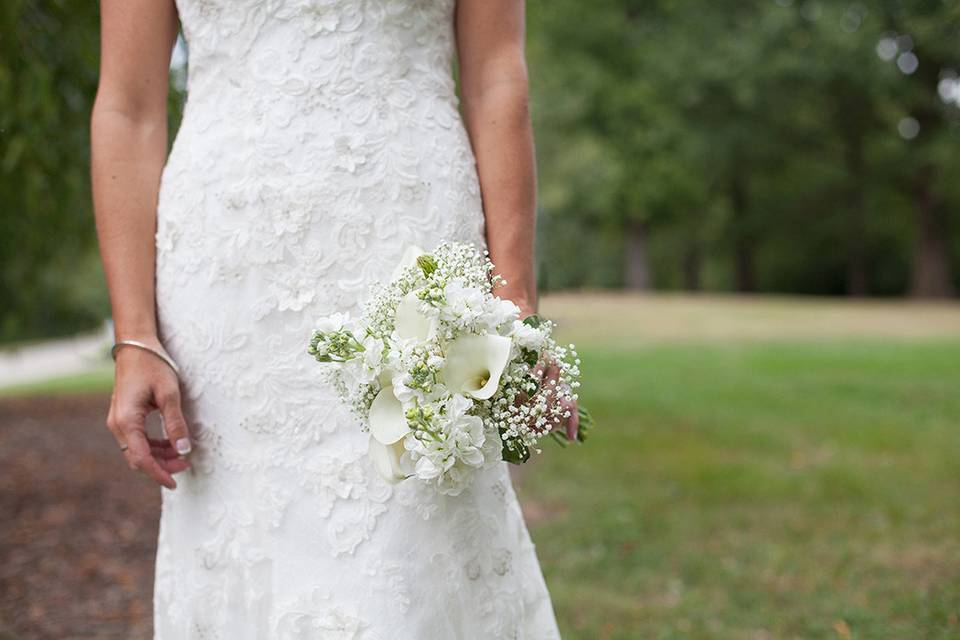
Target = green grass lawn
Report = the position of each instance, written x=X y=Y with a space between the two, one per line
x=744 y=489
x=763 y=469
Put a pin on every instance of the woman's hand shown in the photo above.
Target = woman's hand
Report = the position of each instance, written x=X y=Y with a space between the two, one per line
x=145 y=383
x=549 y=374
x=128 y=143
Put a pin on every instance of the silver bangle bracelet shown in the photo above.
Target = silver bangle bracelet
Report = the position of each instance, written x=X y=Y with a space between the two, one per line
x=134 y=343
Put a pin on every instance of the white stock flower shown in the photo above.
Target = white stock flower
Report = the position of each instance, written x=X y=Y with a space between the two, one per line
x=402 y=391
x=528 y=337
x=334 y=322
x=464 y=304
x=365 y=368
x=475 y=363
x=372 y=352
x=427 y=469
x=461 y=444
x=498 y=312
x=354 y=373
x=454 y=481
x=466 y=431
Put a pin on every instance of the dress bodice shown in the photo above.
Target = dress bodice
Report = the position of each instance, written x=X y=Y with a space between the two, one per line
x=311 y=127
x=269 y=61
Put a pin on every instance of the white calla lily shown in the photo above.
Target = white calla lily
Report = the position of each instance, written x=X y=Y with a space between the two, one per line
x=386 y=459
x=385 y=379
x=409 y=323
x=409 y=259
x=388 y=424
x=475 y=363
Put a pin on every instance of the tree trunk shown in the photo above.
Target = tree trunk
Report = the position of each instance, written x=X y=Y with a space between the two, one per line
x=637 y=265
x=743 y=249
x=857 y=281
x=931 y=277
x=856 y=276
x=692 y=261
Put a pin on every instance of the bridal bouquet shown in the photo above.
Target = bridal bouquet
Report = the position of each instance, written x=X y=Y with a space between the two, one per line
x=445 y=376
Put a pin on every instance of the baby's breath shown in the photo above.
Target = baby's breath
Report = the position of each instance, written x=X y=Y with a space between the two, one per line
x=451 y=433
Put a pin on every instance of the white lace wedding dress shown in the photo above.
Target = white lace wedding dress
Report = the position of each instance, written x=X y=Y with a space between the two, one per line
x=320 y=138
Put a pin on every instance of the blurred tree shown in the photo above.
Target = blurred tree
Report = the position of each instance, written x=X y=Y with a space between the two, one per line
x=754 y=145
x=51 y=282
x=924 y=35
x=770 y=145
x=48 y=73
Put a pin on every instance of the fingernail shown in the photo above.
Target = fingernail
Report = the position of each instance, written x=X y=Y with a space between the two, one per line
x=182 y=446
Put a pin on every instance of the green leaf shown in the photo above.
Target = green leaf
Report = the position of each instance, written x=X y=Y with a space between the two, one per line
x=515 y=452
x=533 y=320
x=587 y=423
x=530 y=356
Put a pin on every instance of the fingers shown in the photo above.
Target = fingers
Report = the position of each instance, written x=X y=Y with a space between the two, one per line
x=162 y=450
x=573 y=422
x=128 y=425
x=537 y=371
x=140 y=388
x=173 y=465
x=550 y=377
x=551 y=374
x=174 y=424
x=139 y=457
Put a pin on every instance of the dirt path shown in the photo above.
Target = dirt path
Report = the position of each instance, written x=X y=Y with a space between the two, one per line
x=78 y=528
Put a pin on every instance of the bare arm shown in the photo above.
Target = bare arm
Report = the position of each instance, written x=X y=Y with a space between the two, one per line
x=494 y=91
x=494 y=88
x=128 y=147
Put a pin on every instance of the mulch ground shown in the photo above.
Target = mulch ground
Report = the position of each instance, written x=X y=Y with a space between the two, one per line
x=77 y=527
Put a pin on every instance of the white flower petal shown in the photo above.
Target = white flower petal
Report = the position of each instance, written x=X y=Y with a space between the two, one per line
x=333 y=322
x=386 y=377
x=426 y=469
x=409 y=259
x=526 y=336
x=387 y=421
x=475 y=363
x=499 y=311
x=409 y=323
x=386 y=459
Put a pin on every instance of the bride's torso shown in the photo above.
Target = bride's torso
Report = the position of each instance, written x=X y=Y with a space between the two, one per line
x=319 y=138
x=316 y=83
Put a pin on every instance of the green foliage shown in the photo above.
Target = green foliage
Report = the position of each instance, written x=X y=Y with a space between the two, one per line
x=48 y=67
x=750 y=145
x=51 y=281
